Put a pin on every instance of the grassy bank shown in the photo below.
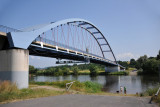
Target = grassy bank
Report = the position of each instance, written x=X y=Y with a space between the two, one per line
x=114 y=73
x=10 y=92
x=88 y=86
x=151 y=92
x=87 y=72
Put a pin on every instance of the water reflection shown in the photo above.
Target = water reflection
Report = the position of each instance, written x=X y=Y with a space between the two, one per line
x=110 y=83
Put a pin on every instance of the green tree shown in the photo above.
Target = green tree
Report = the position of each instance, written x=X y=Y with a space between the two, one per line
x=151 y=66
x=142 y=60
x=93 y=70
x=66 y=71
x=32 y=70
x=158 y=56
x=75 y=70
x=58 y=71
x=132 y=63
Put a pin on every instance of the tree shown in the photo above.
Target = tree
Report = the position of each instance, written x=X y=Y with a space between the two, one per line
x=132 y=63
x=66 y=71
x=93 y=70
x=32 y=70
x=158 y=56
x=75 y=70
x=151 y=66
x=142 y=60
x=58 y=71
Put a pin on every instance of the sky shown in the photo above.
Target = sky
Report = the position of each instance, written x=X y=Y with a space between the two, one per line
x=132 y=27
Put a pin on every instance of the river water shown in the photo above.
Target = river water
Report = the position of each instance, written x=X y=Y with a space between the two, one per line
x=110 y=83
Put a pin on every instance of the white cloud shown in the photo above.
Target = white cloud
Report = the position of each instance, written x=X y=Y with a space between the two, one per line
x=126 y=56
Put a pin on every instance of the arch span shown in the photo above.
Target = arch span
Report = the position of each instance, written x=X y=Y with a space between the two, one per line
x=23 y=39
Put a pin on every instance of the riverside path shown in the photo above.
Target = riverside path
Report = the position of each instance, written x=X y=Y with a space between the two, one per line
x=83 y=101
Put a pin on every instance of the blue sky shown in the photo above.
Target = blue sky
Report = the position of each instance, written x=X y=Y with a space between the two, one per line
x=132 y=27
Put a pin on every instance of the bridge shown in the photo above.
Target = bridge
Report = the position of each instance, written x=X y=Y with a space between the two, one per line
x=73 y=39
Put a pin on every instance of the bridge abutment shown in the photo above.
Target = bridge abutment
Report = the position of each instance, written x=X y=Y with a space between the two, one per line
x=112 y=68
x=14 y=65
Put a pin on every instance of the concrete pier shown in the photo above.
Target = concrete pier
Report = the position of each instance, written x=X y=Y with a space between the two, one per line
x=14 y=65
x=112 y=69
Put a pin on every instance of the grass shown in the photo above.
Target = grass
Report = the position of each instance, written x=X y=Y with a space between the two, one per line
x=10 y=92
x=87 y=86
x=119 y=73
x=151 y=92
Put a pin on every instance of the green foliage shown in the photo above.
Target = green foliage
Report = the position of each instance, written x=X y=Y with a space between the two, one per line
x=65 y=71
x=92 y=87
x=88 y=86
x=132 y=63
x=158 y=56
x=151 y=66
x=119 y=73
x=11 y=92
x=75 y=70
x=144 y=64
x=32 y=70
x=150 y=91
x=7 y=87
x=93 y=70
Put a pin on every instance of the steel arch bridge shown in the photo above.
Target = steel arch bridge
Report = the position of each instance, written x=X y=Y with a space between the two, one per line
x=74 y=39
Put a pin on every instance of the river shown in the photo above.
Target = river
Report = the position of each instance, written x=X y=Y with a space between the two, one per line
x=110 y=83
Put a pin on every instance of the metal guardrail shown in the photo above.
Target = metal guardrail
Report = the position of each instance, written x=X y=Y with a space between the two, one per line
x=68 y=85
x=8 y=29
x=155 y=96
x=40 y=39
x=157 y=92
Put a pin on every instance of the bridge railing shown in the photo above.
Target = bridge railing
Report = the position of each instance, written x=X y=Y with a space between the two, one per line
x=8 y=29
x=44 y=40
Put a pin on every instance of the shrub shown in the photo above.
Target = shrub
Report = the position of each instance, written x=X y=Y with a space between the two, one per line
x=65 y=71
x=75 y=70
x=7 y=87
x=92 y=87
x=93 y=70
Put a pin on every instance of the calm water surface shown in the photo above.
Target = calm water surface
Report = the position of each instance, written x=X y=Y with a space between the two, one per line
x=110 y=83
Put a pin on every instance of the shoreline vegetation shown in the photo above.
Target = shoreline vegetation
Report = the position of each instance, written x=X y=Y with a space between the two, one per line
x=144 y=65
x=151 y=92
x=9 y=92
x=83 y=69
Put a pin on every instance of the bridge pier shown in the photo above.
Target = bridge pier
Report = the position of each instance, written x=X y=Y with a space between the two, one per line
x=14 y=64
x=112 y=69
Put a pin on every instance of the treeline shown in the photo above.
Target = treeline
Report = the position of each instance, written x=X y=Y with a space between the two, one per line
x=145 y=65
x=67 y=69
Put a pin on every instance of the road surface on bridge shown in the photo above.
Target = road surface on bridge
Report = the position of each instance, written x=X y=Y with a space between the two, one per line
x=83 y=101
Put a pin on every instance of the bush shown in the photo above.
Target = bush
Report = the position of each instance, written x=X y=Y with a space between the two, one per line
x=151 y=91
x=93 y=70
x=75 y=70
x=32 y=70
x=92 y=87
x=66 y=71
x=7 y=87
x=88 y=86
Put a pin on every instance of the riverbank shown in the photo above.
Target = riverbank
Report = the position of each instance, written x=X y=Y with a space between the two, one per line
x=86 y=72
x=151 y=92
x=10 y=93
